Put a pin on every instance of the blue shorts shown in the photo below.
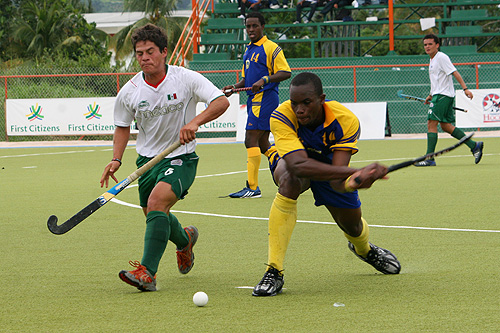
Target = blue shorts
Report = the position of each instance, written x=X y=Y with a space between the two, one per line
x=259 y=113
x=324 y=194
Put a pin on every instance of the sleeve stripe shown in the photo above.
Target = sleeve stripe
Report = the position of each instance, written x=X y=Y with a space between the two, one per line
x=293 y=151
x=279 y=116
x=352 y=138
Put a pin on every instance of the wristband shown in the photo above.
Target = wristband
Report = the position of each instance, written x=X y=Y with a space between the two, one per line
x=346 y=185
x=117 y=160
x=266 y=79
x=466 y=89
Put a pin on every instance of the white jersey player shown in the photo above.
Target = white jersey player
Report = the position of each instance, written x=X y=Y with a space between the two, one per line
x=162 y=99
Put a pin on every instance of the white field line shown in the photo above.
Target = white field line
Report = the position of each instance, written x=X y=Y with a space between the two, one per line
x=304 y=221
x=265 y=219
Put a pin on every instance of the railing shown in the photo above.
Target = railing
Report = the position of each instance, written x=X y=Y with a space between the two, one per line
x=191 y=38
x=361 y=83
x=320 y=32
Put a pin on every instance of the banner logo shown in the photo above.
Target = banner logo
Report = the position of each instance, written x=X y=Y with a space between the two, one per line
x=491 y=108
x=36 y=113
x=93 y=111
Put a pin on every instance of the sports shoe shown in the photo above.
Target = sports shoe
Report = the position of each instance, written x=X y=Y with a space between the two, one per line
x=381 y=259
x=425 y=163
x=140 y=277
x=271 y=284
x=306 y=21
x=478 y=151
x=285 y=6
x=274 y=6
x=185 y=256
x=296 y=22
x=241 y=16
x=247 y=192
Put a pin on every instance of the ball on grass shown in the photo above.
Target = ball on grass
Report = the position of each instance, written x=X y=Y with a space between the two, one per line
x=200 y=298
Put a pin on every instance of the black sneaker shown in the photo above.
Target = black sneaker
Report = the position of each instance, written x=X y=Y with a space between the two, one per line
x=425 y=163
x=271 y=284
x=381 y=259
x=478 y=151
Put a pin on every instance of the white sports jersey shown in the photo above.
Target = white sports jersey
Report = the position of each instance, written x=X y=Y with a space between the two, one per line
x=162 y=111
x=440 y=70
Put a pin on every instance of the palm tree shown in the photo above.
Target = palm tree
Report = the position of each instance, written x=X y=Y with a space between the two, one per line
x=46 y=25
x=40 y=27
x=157 y=12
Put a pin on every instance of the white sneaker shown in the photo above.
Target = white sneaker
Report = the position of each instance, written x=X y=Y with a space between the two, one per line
x=274 y=6
x=285 y=6
x=241 y=16
x=296 y=22
x=306 y=21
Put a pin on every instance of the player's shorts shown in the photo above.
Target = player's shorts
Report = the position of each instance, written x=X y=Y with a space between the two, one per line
x=259 y=112
x=178 y=171
x=325 y=195
x=442 y=109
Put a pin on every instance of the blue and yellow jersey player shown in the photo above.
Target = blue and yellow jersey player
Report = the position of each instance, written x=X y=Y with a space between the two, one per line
x=314 y=142
x=264 y=67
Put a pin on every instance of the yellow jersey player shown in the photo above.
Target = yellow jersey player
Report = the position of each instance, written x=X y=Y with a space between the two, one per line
x=314 y=141
x=264 y=67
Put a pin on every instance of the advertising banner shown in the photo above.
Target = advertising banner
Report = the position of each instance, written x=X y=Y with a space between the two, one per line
x=482 y=111
x=87 y=116
x=60 y=116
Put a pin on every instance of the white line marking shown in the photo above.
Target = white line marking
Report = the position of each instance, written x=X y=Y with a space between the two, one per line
x=57 y=153
x=29 y=167
x=306 y=221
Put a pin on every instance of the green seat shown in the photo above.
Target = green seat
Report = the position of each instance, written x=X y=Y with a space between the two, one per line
x=211 y=56
x=469 y=14
x=226 y=7
x=217 y=38
x=225 y=23
x=459 y=49
x=459 y=31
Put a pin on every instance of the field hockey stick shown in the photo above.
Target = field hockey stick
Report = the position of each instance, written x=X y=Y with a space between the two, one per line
x=236 y=90
x=428 y=156
x=400 y=94
x=106 y=196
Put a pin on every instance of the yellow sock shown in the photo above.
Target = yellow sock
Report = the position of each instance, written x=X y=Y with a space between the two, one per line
x=253 y=164
x=282 y=220
x=360 y=243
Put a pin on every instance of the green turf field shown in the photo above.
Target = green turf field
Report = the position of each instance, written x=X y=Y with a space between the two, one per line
x=442 y=223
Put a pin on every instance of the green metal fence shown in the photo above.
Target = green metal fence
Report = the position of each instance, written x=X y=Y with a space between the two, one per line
x=350 y=80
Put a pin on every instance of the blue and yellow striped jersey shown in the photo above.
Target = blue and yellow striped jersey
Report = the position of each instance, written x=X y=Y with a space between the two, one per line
x=263 y=58
x=339 y=131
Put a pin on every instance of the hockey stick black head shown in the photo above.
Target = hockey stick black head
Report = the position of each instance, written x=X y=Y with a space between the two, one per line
x=54 y=228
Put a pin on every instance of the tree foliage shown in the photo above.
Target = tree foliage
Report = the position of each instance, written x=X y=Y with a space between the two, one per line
x=44 y=28
x=157 y=12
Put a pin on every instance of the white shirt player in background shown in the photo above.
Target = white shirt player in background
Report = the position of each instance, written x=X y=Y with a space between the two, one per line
x=162 y=99
x=441 y=99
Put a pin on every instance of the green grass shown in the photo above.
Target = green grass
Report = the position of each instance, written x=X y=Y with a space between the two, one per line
x=449 y=279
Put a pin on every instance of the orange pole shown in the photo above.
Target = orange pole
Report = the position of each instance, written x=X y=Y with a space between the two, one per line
x=196 y=23
x=391 y=26
x=355 y=85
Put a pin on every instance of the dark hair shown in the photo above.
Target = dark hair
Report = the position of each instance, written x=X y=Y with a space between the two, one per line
x=152 y=33
x=432 y=36
x=306 y=78
x=257 y=15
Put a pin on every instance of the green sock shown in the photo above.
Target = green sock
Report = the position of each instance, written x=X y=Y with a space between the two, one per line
x=178 y=235
x=155 y=239
x=458 y=134
x=432 y=139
